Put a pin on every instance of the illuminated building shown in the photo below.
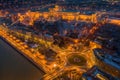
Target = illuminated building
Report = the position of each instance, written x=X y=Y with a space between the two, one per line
x=108 y=63
x=96 y=74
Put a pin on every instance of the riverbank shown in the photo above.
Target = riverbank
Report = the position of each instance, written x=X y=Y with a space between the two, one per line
x=22 y=54
x=15 y=66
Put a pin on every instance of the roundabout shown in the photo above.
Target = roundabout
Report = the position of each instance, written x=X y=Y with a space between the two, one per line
x=76 y=60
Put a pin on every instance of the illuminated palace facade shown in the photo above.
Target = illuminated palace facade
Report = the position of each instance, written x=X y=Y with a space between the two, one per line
x=54 y=14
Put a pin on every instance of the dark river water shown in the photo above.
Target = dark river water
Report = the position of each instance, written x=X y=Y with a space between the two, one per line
x=14 y=66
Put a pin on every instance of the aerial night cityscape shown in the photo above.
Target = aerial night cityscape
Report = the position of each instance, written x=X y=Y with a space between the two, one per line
x=59 y=39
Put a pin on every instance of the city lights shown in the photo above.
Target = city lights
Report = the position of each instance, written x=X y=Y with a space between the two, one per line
x=60 y=39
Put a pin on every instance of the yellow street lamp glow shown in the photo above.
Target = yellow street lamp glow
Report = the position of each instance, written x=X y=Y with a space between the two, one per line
x=54 y=65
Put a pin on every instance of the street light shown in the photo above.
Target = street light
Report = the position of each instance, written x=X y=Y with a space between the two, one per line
x=54 y=65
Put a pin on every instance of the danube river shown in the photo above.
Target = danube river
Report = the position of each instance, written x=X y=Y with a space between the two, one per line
x=13 y=66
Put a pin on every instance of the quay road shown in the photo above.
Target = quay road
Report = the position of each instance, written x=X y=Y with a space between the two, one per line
x=14 y=66
x=36 y=57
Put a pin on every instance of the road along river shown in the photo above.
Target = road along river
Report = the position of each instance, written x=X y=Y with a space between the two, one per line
x=14 y=66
